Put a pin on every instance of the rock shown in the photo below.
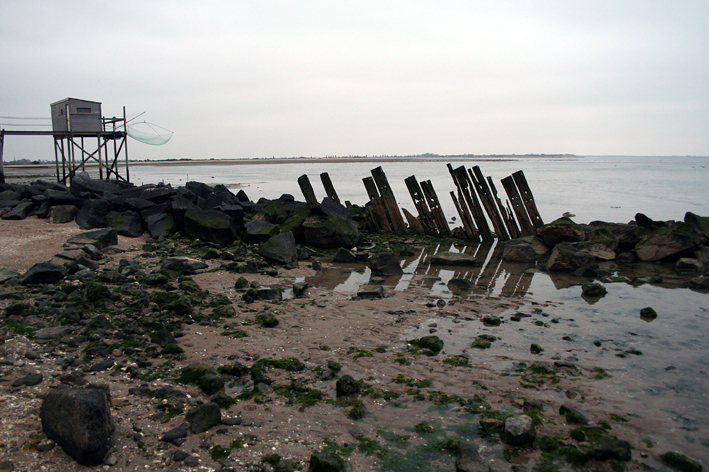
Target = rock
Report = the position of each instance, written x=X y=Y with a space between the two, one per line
x=101 y=366
x=101 y=238
x=162 y=338
x=344 y=255
x=598 y=249
x=6 y=274
x=385 y=264
x=648 y=314
x=19 y=212
x=566 y=258
x=460 y=285
x=183 y=265
x=323 y=461
x=699 y=283
x=492 y=425
x=93 y=214
x=300 y=289
x=128 y=223
x=93 y=252
x=593 y=290
x=44 y=273
x=346 y=386
x=452 y=259
x=161 y=225
x=527 y=249
x=270 y=293
x=610 y=448
x=258 y=231
x=468 y=459
x=79 y=420
x=561 y=230
x=330 y=226
x=210 y=225
x=280 y=248
x=666 y=243
x=431 y=345
x=174 y=434
x=82 y=183
x=202 y=417
x=159 y=194
x=699 y=224
x=519 y=431
x=28 y=380
x=535 y=348
x=680 y=462
x=370 y=291
x=688 y=264
x=574 y=415
x=53 y=332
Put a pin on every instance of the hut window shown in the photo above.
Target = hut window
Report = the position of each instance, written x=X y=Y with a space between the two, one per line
x=83 y=110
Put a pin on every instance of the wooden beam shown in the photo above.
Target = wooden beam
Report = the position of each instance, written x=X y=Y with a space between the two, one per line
x=507 y=216
x=513 y=194
x=389 y=200
x=380 y=217
x=329 y=188
x=425 y=216
x=528 y=199
x=307 y=190
x=485 y=194
x=436 y=211
x=462 y=181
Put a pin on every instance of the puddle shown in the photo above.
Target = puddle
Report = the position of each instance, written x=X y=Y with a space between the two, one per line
x=658 y=369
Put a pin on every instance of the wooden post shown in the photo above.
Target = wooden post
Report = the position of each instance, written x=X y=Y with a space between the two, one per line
x=509 y=220
x=380 y=217
x=436 y=211
x=389 y=200
x=425 y=217
x=307 y=190
x=488 y=203
x=524 y=224
x=468 y=226
x=329 y=188
x=2 y=145
x=528 y=199
x=462 y=181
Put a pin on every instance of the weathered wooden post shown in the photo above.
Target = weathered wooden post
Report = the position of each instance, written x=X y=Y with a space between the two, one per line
x=436 y=210
x=507 y=216
x=528 y=199
x=307 y=190
x=380 y=217
x=462 y=181
x=486 y=198
x=389 y=200
x=425 y=217
x=329 y=188
x=470 y=230
x=516 y=201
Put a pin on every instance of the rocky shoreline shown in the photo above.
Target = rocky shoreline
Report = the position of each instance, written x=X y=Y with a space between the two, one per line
x=180 y=321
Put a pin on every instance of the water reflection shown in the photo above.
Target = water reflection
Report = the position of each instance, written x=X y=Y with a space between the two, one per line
x=489 y=277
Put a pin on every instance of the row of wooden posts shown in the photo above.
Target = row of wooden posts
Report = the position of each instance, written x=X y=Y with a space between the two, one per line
x=475 y=199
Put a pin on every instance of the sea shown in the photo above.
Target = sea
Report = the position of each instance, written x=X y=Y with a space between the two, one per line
x=606 y=188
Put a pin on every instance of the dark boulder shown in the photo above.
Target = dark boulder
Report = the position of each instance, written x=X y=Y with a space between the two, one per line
x=209 y=225
x=83 y=183
x=699 y=224
x=566 y=258
x=63 y=197
x=452 y=259
x=610 y=449
x=561 y=230
x=159 y=194
x=44 y=273
x=19 y=212
x=330 y=226
x=183 y=265
x=93 y=214
x=645 y=222
x=469 y=460
x=161 y=225
x=527 y=249
x=384 y=264
x=258 y=231
x=101 y=238
x=203 y=417
x=518 y=431
x=127 y=223
x=346 y=386
x=667 y=243
x=61 y=214
x=280 y=248
x=369 y=291
x=79 y=420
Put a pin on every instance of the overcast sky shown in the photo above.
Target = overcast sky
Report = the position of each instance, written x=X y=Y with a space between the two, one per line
x=313 y=78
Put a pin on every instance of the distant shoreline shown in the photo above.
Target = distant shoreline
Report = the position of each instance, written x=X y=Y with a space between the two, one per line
x=305 y=160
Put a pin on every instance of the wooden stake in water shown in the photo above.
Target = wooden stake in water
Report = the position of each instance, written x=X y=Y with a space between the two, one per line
x=528 y=199
x=436 y=211
x=389 y=200
x=379 y=216
x=307 y=190
x=329 y=188
x=513 y=194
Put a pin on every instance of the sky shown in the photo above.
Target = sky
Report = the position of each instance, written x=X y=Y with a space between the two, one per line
x=254 y=79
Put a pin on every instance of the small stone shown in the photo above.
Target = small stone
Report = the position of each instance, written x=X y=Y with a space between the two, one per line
x=648 y=314
x=535 y=348
x=179 y=455
x=110 y=460
x=46 y=445
x=574 y=415
x=519 y=430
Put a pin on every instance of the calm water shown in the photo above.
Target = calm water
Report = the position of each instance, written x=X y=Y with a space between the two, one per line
x=592 y=188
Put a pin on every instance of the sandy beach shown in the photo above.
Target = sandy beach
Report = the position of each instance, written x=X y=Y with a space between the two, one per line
x=367 y=339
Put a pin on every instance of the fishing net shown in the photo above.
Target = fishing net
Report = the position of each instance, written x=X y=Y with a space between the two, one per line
x=149 y=133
